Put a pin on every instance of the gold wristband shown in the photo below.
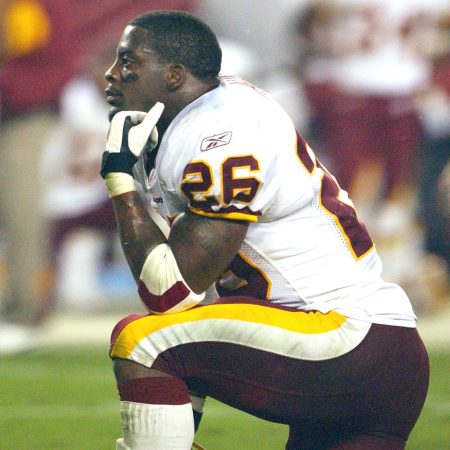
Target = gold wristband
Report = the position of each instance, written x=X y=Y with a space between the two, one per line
x=118 y=183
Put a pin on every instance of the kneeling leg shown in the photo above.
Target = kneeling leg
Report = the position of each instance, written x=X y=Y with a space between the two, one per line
x=156 y=410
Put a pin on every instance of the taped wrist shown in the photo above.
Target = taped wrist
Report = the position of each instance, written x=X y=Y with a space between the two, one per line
x=118 y=183
x=161 y=285
x=117 y=162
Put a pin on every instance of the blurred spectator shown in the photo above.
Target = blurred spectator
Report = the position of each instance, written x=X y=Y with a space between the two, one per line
x=424 y=266
x=433 y=103
x=26 y=34
x=363 y=64
x=360 y=82
x=44 y=43
x=82 y=226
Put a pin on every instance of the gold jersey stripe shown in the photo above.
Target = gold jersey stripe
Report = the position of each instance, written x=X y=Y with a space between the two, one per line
x=231 y=215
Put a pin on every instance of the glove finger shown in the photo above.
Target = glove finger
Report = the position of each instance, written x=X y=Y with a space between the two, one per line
x=127 y=126
x=117 y=131
x=153 y=139
x=138 y=118
x=119 y=118
x=153 y=115
x=139 y=135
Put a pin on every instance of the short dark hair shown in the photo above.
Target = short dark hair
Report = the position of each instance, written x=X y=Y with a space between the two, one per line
x=181 y=38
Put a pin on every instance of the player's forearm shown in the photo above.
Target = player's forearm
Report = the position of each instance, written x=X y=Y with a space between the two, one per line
x=139 y=234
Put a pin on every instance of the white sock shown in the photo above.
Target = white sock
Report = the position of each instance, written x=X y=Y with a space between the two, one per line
x=120 y=445
x=156 y=427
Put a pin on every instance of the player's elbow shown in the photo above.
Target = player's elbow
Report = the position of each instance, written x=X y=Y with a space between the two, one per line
x=161 y=285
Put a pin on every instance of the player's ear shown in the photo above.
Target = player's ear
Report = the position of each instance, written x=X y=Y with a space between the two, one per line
x=175 y=76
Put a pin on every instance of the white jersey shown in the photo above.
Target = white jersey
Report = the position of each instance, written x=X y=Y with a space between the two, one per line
x=234 y=153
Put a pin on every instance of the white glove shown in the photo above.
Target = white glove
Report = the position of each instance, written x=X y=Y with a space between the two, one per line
x=145 y=135
x=141 y=127
x=129 y=134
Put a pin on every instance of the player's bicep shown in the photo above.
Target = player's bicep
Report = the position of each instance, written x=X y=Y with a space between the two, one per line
x=204 y=247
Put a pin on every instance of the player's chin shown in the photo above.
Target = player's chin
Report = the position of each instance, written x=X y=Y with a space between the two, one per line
x=113 y=110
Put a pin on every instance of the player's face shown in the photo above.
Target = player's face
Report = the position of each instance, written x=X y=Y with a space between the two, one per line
x=136 y=79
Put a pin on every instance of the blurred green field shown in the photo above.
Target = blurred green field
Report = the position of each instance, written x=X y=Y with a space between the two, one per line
x=66 y=400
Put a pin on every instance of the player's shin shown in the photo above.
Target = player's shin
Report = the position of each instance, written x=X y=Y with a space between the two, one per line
x=156 y=414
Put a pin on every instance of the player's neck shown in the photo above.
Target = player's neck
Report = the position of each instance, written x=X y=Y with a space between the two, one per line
x=191 y=91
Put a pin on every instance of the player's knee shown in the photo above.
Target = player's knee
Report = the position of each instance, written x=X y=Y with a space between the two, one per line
x=125 y=338
x=121 y=326
x=125 y=370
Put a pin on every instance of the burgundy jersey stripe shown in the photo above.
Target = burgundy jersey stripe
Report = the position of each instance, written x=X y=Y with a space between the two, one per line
x=354 y=229
x=303 y=154
x=256 y=285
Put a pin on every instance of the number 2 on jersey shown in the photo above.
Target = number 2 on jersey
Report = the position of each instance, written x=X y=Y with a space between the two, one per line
x=335 y=202
x=198 y=181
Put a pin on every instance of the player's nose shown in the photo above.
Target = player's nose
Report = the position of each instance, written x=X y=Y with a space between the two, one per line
x=112 y=74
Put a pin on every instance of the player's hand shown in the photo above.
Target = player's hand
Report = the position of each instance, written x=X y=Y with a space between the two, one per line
x=129 y=134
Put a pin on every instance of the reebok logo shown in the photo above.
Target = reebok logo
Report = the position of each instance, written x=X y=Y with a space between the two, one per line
x=215 y=141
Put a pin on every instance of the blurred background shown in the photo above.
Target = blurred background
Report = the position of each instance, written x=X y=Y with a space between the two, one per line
x=367 y=83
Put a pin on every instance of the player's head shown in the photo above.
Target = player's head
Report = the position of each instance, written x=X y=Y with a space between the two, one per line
x=162 y=56
x=181 y=38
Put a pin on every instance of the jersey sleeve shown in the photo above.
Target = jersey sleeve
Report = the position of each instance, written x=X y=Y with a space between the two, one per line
x=231 y=175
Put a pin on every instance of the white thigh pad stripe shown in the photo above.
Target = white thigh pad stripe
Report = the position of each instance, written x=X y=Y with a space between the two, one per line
x=305 y=346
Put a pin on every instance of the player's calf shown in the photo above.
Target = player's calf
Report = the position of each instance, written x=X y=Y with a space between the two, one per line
x=156 y=411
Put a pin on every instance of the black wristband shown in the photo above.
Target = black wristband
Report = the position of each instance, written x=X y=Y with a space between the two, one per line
x=117 y=162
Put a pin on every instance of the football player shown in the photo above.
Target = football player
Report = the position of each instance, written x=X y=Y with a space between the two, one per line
x=304 y=331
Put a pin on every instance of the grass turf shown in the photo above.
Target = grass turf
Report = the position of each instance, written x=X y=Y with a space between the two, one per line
x=66 y=400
